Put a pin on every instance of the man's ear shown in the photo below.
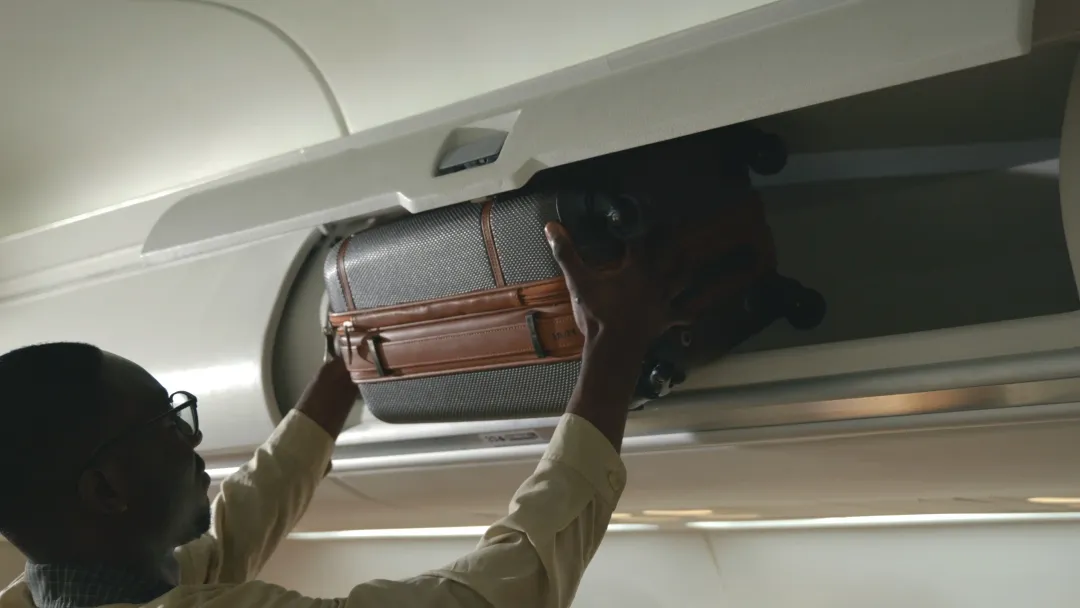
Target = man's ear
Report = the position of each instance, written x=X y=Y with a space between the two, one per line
x=99 y=494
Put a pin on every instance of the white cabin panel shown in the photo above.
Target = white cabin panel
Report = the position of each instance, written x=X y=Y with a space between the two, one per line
x=957 y=566
x=108 y=102
x=388 y=60
x=755 y=64
x=204 y=325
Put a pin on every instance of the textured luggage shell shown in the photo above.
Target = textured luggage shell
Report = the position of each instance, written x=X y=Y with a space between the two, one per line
x=441 y=254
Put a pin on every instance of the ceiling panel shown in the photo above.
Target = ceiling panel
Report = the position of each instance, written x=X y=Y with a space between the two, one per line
x=104 y=102
x=975 y=470
x=988 y=469
x=330 y=516
x=389 y=59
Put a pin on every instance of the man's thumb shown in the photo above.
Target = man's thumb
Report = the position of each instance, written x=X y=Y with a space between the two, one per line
x=563 y=250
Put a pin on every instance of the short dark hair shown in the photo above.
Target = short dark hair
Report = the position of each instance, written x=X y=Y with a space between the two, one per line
x=48 y=394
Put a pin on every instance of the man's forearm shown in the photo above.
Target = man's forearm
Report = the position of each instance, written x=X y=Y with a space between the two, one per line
x=609 y=370
x=329 y=398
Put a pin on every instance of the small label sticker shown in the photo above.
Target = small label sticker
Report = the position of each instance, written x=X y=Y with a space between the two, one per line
x=511 y=438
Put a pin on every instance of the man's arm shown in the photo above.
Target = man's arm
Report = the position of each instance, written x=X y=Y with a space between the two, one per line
x=260 y=503
x=536 y=556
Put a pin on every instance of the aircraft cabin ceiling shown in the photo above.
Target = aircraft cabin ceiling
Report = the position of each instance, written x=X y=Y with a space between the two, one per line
x=112 y=101
x=993 y=467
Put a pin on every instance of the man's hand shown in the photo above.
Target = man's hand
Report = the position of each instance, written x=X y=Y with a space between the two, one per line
x=620 y=311
x=330 y=397
x=631 y=302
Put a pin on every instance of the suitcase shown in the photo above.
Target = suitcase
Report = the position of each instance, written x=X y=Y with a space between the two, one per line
x=462 y=313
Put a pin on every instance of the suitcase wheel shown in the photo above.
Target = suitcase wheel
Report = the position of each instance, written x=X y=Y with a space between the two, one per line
x=805 y=308
x=658 y=378
x=779 y=296
x=626 y=217
x=768 y=154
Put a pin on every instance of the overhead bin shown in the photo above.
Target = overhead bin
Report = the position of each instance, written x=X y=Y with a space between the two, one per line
x=775 y=58
x=951 y=285
x=230 y=280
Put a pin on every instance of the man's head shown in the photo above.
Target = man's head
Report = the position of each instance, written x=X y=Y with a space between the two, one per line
x=96 y=463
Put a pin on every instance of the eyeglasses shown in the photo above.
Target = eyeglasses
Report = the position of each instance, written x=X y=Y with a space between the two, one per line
x=185 y=415
x=185 y=410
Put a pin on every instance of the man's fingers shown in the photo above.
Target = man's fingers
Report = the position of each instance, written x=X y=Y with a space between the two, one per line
x=680 y=280
x=637 y=252
x=563 y=250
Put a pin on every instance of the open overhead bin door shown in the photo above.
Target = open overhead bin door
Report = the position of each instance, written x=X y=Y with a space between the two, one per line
x=775 y=58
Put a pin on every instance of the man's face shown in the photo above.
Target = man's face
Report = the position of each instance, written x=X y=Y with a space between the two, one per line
x=155 y=482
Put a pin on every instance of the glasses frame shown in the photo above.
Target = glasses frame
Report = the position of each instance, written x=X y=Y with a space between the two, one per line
x=192 y=402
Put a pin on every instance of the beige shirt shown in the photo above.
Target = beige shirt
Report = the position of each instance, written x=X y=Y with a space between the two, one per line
x=533 y=557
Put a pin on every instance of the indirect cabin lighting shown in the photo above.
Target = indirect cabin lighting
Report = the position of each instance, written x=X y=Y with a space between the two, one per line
x=677 y=512
x=644 y=519
x=884 y=520
x=449 y=532
x=212 y=379
x=735 y=516
x=221 y=473
x=1055 y=500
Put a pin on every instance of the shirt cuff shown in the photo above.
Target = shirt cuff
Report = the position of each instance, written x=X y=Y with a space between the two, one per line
x=301 y=440
x=579 y=445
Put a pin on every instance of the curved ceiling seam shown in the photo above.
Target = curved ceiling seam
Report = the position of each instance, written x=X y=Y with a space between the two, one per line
x=309 y=62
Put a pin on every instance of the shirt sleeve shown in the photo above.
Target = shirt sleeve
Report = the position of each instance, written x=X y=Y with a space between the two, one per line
x=535 y=556
x=259 y=504
x=532 y=558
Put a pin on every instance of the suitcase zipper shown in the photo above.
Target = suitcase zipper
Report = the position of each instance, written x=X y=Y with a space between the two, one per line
x=343 y=276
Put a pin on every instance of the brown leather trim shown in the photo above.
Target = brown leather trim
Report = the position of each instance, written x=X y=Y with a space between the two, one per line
x=432 y=311
x=343 y=277
x=549 y=291
x=469 y=343
x=489 y=241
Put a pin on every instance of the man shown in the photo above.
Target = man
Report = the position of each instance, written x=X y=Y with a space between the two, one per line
x=106 y=496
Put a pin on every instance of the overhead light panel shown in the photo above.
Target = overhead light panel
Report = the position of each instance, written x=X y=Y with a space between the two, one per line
x=221 y=473
x=1055 y=500
x=646 y=519
x=884 y=520
x=446 y=532
x=632 y=528
x=734 y=516
x=677 y=512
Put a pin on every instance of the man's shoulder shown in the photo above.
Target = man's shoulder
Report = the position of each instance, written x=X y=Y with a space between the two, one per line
x=196 y=560
x=253 y=594
x=242 y=595
x=16 y=595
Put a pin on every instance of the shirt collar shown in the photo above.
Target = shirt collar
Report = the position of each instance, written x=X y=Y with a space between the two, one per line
x=60 y=586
